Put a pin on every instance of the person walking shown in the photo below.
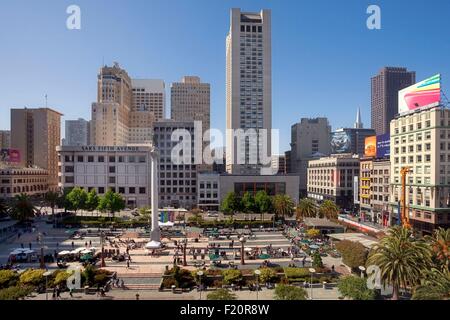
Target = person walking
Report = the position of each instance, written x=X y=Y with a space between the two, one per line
x=71 y=292
x=90 y=243
x=29 y=245
x=73 y=245
x=21 y=245
x=128 y=264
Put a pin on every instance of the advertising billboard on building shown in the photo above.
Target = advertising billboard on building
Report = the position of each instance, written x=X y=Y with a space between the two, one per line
x=341 y=142
x=10 y=155
x=370 y=146
x=426 y=93
x=383 y=145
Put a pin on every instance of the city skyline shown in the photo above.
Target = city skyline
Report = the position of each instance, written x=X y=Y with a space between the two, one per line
x=68 y=76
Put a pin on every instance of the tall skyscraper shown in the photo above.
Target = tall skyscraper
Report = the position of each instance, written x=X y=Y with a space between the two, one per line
x=5 y=139
x=190 y=101
x=310 y=139
x=111 y=112
x=148 y=106
x=37 y=133
x=385 y=87
x=248 y=88
x=77 y=132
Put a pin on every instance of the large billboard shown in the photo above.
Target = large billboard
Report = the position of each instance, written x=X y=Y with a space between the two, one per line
x=383 y=146
x=426 y=93
x=341 y=142
x=370 y=146
x=10 y=155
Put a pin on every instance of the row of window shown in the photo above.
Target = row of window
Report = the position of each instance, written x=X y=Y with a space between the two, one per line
x=91 y=158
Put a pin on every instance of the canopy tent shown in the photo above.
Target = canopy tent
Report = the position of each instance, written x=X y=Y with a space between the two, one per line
x=248 y=249
x=264 y=256
x=314 y=247
x=153 y=245
x=64 y=253
x=166 y=224
x=86 y=251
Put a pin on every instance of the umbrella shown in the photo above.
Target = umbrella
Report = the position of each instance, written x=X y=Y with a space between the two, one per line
x=314 y=247
x=166 y=224
x=64 y=253
x=153 y=245
x=86 y=251
x=78 y=250
x=264 y=256
x=213 y=257
x=86 y=257
x=248 y=249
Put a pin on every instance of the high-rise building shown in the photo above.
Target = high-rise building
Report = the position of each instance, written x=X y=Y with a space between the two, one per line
x=77 y=133
x=385 y=87
x=148 y=106
x=111 y=112
x=177 y=179
x=5 y=139
x=279 y=164
x=421 y=141
x=37 y=133
x=248 y=90
x=310 y=138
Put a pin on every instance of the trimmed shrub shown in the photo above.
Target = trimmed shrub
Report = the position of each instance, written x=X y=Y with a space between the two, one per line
x=8 y=278
x=232 y=276
x=221 y=294
x=32 y=277
x=284 y=292
x=15 y=292
x=267 y=275
x=355 y=288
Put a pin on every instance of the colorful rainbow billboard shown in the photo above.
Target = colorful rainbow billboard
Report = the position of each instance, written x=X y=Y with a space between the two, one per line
x=426 y=93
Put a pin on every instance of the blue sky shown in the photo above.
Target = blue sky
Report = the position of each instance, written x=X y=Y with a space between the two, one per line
x=323 y=55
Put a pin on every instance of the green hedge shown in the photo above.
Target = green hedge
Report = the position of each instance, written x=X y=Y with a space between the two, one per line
x=15 y=292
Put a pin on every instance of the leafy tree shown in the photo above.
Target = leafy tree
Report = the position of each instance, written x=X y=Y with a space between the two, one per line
x=77 y=198
x=355 y=288
x=8 y=278
x=313 y=233
x=230 y=203
x=263 y=202
x=283 y=205
x=51 y=198
x=248 y=203
x=22 y=208
x=267 y=275
x=63 y=201
x=328 y=209
x=111 y=202
x=221 y=294
x=32 y=277
x=401 y=259
x=231 y=276
x=146 y=213
x=61 y=277
x=92 y=200
x=285 y=292
x=440 y=245
x=317 y=260
x=306 y=209
x=354 y=254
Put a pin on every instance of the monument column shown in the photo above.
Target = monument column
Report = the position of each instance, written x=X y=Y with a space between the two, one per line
x=155 y=234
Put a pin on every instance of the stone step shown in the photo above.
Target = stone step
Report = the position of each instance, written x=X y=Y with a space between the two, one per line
x=139 y=275
x=142 y=286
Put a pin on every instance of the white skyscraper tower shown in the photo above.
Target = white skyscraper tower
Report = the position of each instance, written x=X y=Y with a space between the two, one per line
x=248 y=88
x=358 y=123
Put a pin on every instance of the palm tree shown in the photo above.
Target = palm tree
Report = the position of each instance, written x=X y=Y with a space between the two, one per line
x=22 y=208
x=283 y=205
x=440 y=244
x=3 y=208
x=329 y=210
x=434 y=286
x=401 y=258
x=306 y=208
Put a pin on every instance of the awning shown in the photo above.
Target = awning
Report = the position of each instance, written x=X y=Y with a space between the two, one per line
x=64 y=253
x=166 y=224
x=153 y=245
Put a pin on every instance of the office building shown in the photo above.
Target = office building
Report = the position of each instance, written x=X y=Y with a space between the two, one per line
x=123 y=169
x=385 y=86
x=77 y=133
x=36 y=133
x=279 y=164
x=5 y=139
x=16 y=180
x=248 y=91
x=310 y=139
x=177 y=177
x=421 y=141
x=331 y=178
x=110 y=116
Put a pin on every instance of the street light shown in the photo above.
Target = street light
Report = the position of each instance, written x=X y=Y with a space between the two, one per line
x=362 y=269
x=42 y=264
x=102 y=240
x=242 y=241
x=312 y=271
x=46 y=274
x=184 y=241
x=257 y=273
x=200 y=273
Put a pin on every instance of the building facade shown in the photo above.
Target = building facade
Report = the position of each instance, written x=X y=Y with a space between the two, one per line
x=110 y=115
x=123 y=169
x=37 y=133
x=77 y=132
x=421 y=142
x=5 y=139
x=208 y=191
x=31 y=181
x=331 y=178
x=279 y=164
x=309 y=138
x=248 y=90
x=385 y=86
x=177 y=178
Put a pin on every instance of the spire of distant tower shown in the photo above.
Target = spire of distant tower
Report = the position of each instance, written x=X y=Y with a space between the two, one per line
x=358 y=123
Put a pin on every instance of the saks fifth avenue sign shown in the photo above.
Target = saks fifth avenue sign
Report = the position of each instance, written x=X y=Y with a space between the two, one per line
x=109 y=148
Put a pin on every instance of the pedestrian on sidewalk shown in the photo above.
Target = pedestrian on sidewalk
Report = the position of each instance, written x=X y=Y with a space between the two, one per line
x=128 y=264
x=29 y=245
x=90 y=243
x=21 y=245
x=71 y=292
x=85 y=244
x=73 y=245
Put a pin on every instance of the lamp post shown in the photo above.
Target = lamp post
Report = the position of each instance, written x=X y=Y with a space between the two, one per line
x=46 y=274
x=242 y=241
x=312 y=271
x=362 y=269
x=184 y=251
x=200 y=273
x=257 y=273
x=42 y=262
x=102 y=240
